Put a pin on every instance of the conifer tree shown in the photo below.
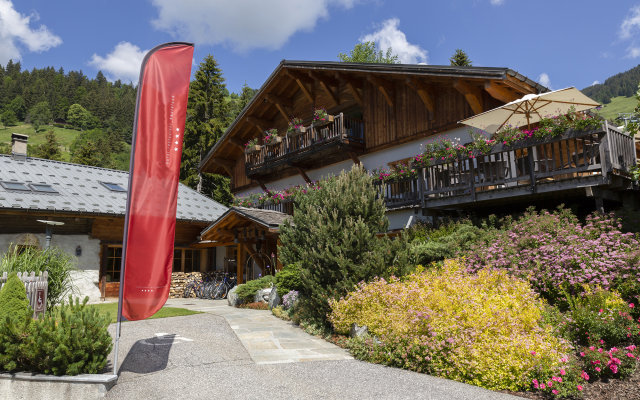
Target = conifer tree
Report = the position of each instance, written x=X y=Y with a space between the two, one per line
x=50 y=150
x=460 y=59
x=333 y=235
x=207 y=118
x=13 y=299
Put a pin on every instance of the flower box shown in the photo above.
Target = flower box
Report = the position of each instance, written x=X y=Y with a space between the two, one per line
x=325 y=121
x=275 y=140
x=252 y=149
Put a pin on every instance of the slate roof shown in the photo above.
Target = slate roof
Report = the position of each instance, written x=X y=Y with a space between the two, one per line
x=80 y=190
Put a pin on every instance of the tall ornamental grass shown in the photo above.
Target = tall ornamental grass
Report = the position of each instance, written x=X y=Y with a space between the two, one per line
x=58 y=263
x=483 y=329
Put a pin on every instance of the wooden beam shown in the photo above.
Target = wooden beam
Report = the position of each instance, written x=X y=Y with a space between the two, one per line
x=303 y=174
x=237 y=143
x=225 y=163
x=499 y=92
x=302 y=83
x=424 y=92
x=472 y=94
x=282 y=104
x=240 y=263
x=385 y=87
x=354 y=92
x=263 y=186
x=325 y=85
x=354 y=158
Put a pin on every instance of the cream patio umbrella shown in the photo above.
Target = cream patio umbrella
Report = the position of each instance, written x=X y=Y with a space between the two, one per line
x=531 y=108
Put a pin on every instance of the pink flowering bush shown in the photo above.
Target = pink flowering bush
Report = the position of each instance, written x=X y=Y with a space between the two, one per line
x=556 y=252
x=565 y=381
x=453 y=324
x=598 y=362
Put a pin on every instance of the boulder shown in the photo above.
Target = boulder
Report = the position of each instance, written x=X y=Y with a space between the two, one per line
x=274 y=299
x=358 y=331
x=232 y=297
x=262 y=295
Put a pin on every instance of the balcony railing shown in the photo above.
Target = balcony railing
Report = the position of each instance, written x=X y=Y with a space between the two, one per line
x=302 y=147
x=570 y=161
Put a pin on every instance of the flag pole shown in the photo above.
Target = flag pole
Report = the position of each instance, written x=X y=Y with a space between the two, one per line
x=126 y=213
x=134 y=143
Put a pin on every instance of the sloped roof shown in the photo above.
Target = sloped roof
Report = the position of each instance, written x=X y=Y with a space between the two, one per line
x=288 y=70
x=269 y=219
x=80 y=189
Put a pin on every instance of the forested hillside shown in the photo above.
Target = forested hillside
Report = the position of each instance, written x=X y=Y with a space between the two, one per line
x=624 y=84
x=71 y=117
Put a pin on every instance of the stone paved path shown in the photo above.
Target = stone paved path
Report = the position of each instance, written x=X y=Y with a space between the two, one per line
x=268 y=340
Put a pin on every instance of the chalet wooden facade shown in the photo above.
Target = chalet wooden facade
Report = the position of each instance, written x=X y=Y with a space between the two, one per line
x=377 y=107
x=381 y=114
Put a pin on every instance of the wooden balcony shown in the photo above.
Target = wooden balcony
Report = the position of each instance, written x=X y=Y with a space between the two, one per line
x=319 y=145
x=570 y=162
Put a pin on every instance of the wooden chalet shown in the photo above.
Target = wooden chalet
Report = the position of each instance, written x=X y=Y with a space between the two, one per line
x=383 y=113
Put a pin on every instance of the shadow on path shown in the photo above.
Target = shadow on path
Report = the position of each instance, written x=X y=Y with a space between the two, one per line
x=148 y=355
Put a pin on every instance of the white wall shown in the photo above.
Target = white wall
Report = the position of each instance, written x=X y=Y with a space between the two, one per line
x=370 y=161
x=88 y=260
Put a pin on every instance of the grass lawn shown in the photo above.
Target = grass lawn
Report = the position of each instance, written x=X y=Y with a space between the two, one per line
x=618 y=104
x=165 y=312
x=64 y=136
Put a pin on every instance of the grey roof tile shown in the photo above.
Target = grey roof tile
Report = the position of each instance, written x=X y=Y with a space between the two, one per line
x=79 y=190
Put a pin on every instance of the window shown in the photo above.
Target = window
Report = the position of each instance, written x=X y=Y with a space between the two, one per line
x=42 y=188
x=113 y=261
x=15 y=186
x=186 y=260
x=114 y=187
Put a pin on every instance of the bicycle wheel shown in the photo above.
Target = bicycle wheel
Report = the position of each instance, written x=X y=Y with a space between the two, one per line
x=188 y=291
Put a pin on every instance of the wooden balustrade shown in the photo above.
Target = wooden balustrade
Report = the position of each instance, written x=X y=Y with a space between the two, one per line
x=569 y=161
x=314 y=137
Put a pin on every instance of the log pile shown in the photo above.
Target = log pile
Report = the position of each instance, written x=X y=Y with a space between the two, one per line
x=179 y=281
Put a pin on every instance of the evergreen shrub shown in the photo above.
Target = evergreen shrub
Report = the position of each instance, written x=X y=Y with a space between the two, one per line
x=334 y=238
x=13 y=299
x=484 y=329
x=58 y=264
x=288 y=279
x=70 y=341
x=247 y=291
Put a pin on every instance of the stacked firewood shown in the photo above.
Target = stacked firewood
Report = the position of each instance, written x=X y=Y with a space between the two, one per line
x=179 y=281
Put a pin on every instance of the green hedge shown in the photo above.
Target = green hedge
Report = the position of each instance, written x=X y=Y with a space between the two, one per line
x=247 y=291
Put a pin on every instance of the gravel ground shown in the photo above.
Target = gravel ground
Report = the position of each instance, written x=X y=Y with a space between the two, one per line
x=199 y=357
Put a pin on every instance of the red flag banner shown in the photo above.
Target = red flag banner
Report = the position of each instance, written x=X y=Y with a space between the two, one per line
x=150 y=221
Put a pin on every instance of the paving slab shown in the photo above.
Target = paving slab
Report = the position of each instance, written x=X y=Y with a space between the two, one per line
x=267 y=339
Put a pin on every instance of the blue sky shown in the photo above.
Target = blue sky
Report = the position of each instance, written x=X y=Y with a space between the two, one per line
x=558 y=43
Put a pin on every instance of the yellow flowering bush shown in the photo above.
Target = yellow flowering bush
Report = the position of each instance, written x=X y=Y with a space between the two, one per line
x=484 y=329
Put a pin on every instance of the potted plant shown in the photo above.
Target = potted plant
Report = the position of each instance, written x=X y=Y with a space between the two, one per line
x=252 y=146
x=295 y=127
x=271 y=137
x=320 y=117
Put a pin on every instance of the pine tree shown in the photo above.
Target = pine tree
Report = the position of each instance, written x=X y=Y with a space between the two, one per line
x=50 y=150
x=460 y=59
x=207 y=118
x=333 y=235
x=39 y=115
x=86 y=153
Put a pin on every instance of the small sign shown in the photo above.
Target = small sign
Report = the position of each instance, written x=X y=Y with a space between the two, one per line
x=40 y=301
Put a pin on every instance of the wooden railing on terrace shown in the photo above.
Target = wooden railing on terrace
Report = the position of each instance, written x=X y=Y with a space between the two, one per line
x=342 y=129
x=571 y=160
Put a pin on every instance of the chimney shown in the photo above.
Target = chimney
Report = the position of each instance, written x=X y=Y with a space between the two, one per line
x=19 y=146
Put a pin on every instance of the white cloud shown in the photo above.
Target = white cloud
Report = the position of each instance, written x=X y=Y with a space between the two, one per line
x=497 y=2
x=596 y=82
x=544 y=80
x=633 y=52
x=390 y=36
x=630 y=24
x=243 y=24
x=15 y=29
x=122 y=63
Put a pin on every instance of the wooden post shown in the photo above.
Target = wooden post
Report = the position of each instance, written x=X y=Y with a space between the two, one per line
x=204 y=260
x=532 y=172
x=240 y=263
